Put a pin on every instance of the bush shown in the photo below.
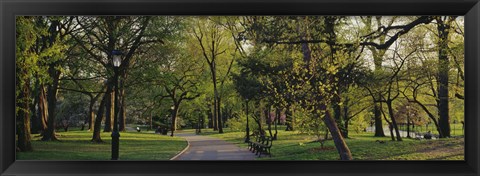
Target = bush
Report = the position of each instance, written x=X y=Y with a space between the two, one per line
x=239 y=123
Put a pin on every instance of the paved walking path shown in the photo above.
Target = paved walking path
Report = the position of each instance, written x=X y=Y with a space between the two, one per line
x=210 y=148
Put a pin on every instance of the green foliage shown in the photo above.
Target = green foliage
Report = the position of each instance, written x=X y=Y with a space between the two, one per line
x=239 y=123
x=360 y=123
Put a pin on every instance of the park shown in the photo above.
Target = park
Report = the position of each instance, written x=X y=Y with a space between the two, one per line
x=240 y=88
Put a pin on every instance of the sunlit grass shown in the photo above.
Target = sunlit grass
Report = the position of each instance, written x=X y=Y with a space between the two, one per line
x=295 y=146
x=76 y=145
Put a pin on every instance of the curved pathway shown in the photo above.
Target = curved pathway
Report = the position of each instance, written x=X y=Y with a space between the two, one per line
x=210 y=148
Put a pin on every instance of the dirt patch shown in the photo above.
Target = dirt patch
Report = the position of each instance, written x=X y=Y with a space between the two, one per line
x=442 y=149
x=319 y=149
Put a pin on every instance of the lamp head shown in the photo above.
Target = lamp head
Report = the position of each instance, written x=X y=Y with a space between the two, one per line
x=117 y=58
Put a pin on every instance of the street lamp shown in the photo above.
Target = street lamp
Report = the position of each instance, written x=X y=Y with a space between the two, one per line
x=116 y=61
x=247 y=139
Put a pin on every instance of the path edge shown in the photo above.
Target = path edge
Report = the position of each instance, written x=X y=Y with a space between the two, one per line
x=183 y=151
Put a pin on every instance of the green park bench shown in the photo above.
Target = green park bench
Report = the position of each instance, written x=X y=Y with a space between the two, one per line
x=261 y=145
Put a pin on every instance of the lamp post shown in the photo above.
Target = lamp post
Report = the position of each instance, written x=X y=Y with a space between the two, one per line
x=247 y=139
x=117 y=61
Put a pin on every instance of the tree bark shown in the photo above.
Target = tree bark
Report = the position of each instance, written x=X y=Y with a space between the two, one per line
x=430 y=115
x=91 y=114
x=329 y=121
x=345 y=119
x=35 y=122
x=266 y=112
x=289 y=120
x=390 y=128
x=276 y=120
x=123 y=106
x=219 y=116
x=378 y=121
x=211 y=120
x=443 y=28
x=394 y=122
x=52 y=91
x=100 y=114
x=43 y=108
x=214 y=114
x=173 y=126
x=23 y=119
x=337 y=113
x=338 y=140
x=123 y=112
x=109 y=111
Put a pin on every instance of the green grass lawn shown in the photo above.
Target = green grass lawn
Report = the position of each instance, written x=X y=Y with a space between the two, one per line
x=76 y=145
x=296 y=146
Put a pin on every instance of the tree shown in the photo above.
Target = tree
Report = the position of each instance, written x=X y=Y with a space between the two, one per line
x=443 y=28
x=26 y=36
x=179 y=81
x=55 y=38
x=430 y=82
x=98 y=37
x=377 y=60
x=318 y=69
x=213 y=43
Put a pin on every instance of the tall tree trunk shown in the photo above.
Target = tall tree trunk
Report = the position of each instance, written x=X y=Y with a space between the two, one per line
x=390 y=128
x=329 y=121
x=394 y=122
x=431 y=116
x=345 y=118
x=378 y=121
x=49 y=134
x=100 y=114
x=210 y=117
x=214 y=114
x=337 y=112
x=35 y=122
x=259 y=117
x=390 y=125
x=443 y=27
x=123 y=112
x=338 y=140
x=276 y=120
x=219 y=116
x=289 y=120
x=173 y=126
x=377 y=59
x=23 y=119
x=345 y=121
x=43 y=108
x=215 y=93
x=109 y=112
x=91 y=114
x=123 y=105
x=266 y=112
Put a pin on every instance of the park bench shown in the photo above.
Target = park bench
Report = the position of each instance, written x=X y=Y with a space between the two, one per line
x=261 y=145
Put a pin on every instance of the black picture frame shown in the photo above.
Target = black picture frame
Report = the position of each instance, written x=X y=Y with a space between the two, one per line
x=11 y=8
